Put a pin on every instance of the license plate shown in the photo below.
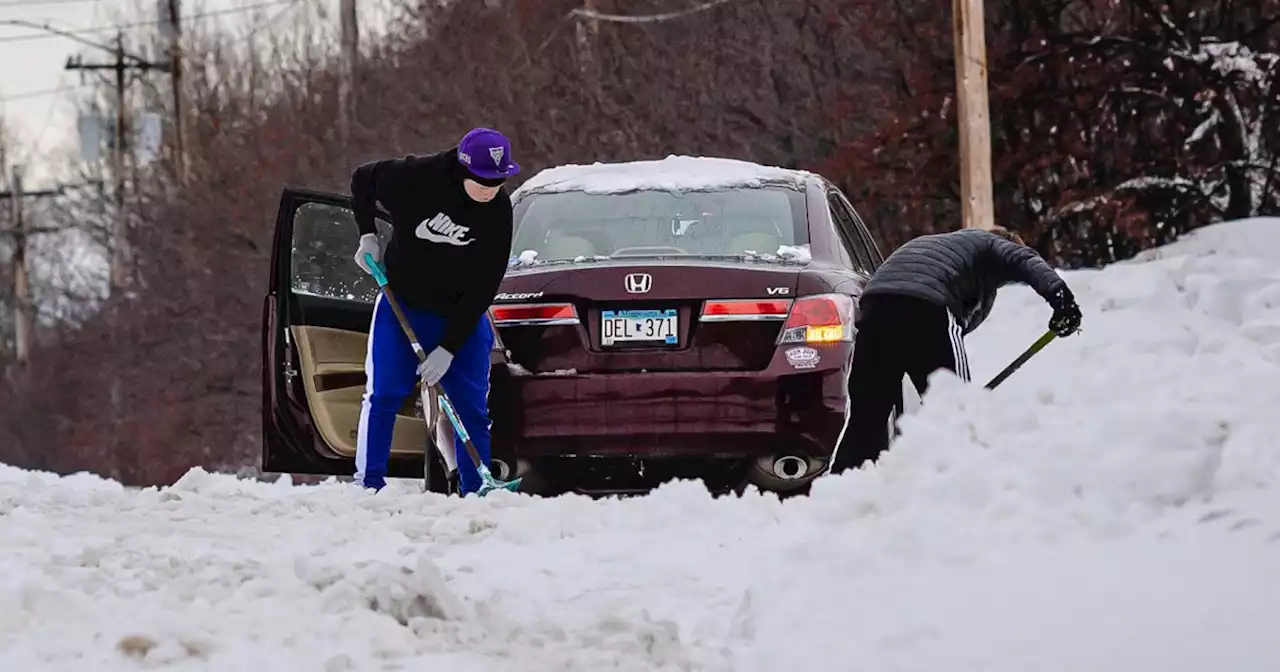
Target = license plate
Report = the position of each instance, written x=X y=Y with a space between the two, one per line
x=639 y=326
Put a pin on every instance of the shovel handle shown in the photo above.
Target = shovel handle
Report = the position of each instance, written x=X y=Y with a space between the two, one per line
x=445 y=404
x=1022 y=359
x=376 y=270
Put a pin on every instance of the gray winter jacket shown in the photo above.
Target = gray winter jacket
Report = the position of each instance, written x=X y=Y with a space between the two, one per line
x=962 y=270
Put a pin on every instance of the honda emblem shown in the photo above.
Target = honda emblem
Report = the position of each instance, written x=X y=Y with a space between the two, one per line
x=639 y=283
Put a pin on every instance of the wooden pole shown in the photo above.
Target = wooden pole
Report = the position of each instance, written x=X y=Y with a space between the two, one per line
x=973 y=114
x=24 y=308
x=346 y=74
x=121 y=254
x=121 y=259
x=175 y=72
x=23 y=325
x=586 y=33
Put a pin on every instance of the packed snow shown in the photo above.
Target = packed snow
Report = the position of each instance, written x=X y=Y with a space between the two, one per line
x=1112 y=506
x=674 y=174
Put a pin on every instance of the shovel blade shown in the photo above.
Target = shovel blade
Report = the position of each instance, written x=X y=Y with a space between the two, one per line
x=491 y=485
x=488 y=483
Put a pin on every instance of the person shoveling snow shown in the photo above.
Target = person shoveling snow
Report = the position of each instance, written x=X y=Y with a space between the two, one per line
x=915 y=312
x=451 y=239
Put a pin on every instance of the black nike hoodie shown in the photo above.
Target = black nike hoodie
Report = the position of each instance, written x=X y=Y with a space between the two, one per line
x=448 y=253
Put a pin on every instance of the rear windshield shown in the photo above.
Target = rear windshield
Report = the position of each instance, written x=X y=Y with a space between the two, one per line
x=722 y=223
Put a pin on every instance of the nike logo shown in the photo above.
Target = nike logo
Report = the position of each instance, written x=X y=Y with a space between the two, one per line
x=441 y=229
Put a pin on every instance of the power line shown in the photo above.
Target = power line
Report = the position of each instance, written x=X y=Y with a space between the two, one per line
x=139 y=24
x=36 y=94
x=266 y=23
x=48 y=115
x=40 y=3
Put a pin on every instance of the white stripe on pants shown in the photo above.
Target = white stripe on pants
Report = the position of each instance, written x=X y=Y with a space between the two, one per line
x=362 y=430
x=957 y=347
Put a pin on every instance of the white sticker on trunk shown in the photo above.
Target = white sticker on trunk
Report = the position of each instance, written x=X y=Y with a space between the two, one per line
x=802 y=358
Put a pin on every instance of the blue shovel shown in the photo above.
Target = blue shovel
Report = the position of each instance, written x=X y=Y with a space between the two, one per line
x=487 y=482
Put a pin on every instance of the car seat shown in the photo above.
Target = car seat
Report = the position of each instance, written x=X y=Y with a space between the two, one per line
x=760 y=243
x=567 y=247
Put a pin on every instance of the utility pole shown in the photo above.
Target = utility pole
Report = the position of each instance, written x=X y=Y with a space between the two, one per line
x=22 y=326
x=587 y=31
x=174 y=29
x=973 y=114
x=24 y=320
x=346 y=83
x=121 y=254
x=169 y=22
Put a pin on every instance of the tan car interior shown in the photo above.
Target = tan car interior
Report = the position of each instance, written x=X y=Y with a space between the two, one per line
x=333 y=373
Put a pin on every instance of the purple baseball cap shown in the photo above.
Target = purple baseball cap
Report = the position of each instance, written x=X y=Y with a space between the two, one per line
x=487 y=154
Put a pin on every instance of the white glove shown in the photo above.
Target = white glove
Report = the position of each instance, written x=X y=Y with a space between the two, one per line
x=435 y=366
x=368 y=245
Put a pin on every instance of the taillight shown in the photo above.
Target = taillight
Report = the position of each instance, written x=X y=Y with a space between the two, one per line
x=733 y=310
x=822 y=318
x=534 y=314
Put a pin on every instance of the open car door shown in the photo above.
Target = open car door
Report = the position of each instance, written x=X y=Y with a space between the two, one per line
x=315 y=329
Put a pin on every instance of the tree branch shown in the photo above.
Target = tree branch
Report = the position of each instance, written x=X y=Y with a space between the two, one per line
x=1131 y=184
x=647 y=18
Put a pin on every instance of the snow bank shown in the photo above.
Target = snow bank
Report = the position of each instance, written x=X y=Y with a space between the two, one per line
x=674 y=173
x=1252 y=241
x=1113 y=505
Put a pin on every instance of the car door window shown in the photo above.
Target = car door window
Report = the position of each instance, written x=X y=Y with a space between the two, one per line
x=846 y=259
x=869 y=244
x=844 y=224
x=864 y=234
x=325 y=238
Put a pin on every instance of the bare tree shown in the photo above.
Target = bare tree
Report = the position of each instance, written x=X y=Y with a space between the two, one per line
x=1115 y=127
x=1101 y=149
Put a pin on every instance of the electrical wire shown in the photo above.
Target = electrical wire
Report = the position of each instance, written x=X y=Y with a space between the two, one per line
x=40 y=3
x=266 y=23
x=139 y=24
x=48 y=115
x=24 y=152
x=36 y=94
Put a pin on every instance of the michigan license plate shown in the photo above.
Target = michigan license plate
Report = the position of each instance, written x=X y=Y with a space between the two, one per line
x=639 y=326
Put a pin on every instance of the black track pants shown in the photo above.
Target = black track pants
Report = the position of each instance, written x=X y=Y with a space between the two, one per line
x=896 y=335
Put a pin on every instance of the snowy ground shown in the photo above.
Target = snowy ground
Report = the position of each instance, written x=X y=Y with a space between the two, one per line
x=1114 y=506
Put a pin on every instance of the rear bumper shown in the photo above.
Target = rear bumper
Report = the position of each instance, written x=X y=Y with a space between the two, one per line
x=704 y=414
x=703 y=422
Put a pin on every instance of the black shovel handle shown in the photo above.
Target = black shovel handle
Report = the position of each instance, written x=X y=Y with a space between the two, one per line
x=1022 y=359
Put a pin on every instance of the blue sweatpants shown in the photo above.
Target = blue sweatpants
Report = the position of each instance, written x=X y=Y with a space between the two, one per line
x=391 y=370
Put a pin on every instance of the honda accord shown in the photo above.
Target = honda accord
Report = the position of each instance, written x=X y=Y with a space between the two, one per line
x=690 y=317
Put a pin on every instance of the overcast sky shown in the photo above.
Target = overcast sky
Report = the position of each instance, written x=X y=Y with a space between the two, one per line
x=43 y=125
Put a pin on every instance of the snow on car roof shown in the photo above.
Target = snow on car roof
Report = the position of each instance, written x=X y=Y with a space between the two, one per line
x=674 y=173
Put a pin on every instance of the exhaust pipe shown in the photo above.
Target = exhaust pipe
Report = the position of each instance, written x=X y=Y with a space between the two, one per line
x=790 y=467
x=500 y=469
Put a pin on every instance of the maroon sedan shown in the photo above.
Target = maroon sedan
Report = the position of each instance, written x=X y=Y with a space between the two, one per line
x=682 y=318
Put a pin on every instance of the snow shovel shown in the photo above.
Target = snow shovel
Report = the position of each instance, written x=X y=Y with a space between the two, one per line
x=487 y=482
x=1022 y=359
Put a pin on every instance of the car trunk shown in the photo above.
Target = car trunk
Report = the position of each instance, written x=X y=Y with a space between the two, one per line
x=643 y=317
